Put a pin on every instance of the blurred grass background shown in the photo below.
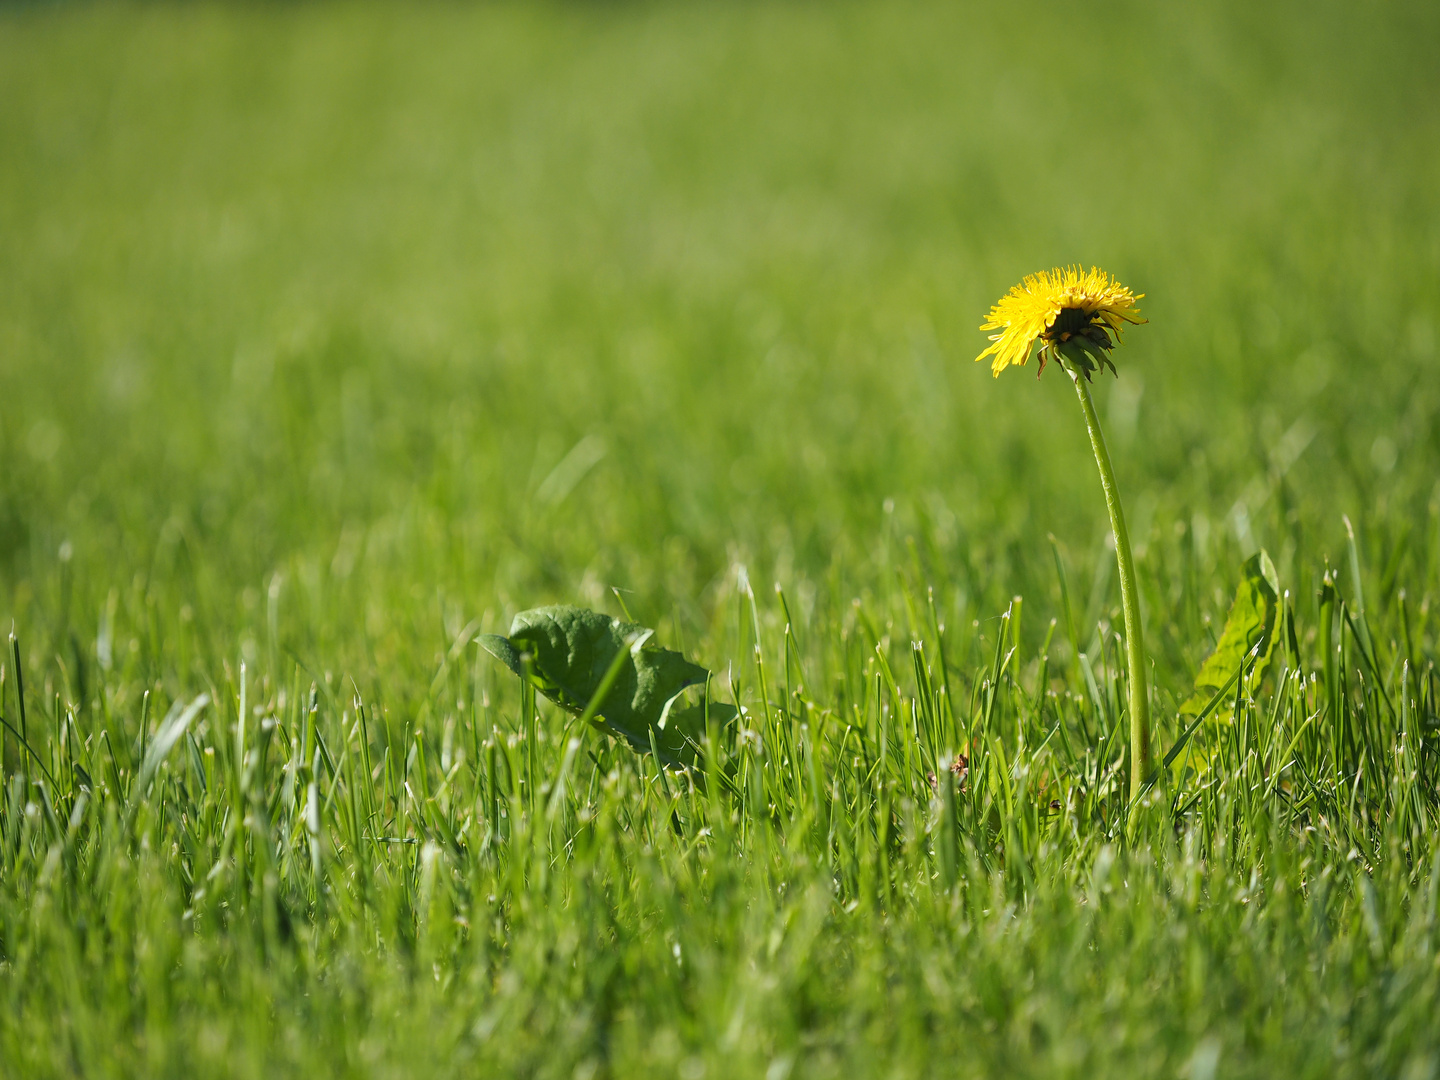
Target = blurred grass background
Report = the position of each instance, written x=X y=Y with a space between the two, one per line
x=331 y=290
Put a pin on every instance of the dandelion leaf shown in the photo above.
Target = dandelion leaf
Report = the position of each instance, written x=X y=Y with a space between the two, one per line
x=1250 y=627
x=565 y=653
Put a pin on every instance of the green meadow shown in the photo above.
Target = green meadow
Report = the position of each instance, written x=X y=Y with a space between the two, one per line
x=334 y=335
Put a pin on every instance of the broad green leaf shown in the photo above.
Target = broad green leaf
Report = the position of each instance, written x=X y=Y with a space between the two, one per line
x=1250 y=626
x=566 y=652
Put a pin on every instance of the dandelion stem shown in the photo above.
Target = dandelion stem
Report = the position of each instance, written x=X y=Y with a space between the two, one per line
x=1129 y=596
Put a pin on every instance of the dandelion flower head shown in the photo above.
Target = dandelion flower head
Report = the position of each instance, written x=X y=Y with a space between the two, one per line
x=1071 y=312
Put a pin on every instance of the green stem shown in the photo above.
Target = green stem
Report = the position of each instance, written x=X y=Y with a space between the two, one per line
x=1129 y=597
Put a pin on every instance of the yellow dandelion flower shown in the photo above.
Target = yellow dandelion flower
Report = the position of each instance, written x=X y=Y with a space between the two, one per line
x=1073 y=315
x=1070 y=312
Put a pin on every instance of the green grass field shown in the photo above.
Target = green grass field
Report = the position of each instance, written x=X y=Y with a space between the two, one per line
x=333 y=335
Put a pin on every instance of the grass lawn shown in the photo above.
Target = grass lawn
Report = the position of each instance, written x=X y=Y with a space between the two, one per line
x=334 y=335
